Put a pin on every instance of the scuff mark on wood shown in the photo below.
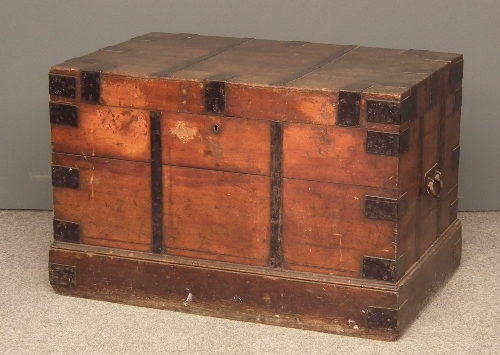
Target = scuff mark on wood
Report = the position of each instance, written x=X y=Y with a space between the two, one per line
x=183 y=131
x=189 y=299
x=213 y=148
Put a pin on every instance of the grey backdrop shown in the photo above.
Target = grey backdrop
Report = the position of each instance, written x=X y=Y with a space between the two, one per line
x=37 y=34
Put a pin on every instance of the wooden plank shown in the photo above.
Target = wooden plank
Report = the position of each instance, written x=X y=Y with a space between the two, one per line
x=406 y=250
x=416 y=64
x=387 y=93
x=408 y=167
x=448 y=212
x=334 y=149
x=325 y=229
x=277 y=297
x=423 y=92
x=216 y=215
x=428 y=233
x=174 y=70
x=216 y=142
x=337 y=53
x=430 y=155
x=280 y=104
x=442 y=56
x=264 y=62
x=251 y=294
x=409 y=185
x=408 y=173
x=363 y=66
x=151 y=57
x=429 y=275
x=451 y=140
x=110 y=132
x=111 y=192
x=152 y=94
x=431 y=138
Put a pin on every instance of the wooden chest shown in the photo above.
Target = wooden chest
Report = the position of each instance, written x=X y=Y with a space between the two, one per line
x=289 y=183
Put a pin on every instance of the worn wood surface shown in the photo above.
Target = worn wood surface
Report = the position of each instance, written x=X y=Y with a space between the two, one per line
x=450 y=141
x=215 y=142
x=295 y=91
x=325 y=229
x=429 y=274
x=340 y=154
x=281 y=104
x=294 y=299
x=253 y=68
x=111 y=192
x=108 y=132
x=216 y=215
x=296 y=160
x=448 y=211
x=152 y=94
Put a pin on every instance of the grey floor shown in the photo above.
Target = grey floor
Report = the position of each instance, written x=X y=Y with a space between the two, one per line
x=463 y=318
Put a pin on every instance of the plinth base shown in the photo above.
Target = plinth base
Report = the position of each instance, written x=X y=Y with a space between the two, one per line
x=341 y=305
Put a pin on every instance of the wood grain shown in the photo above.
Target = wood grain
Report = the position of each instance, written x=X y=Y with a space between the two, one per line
x=281 y=104
x=278 y=63
x=325 y=229
x=152 y=94
x=216 y=142
x=335 y=154
x=251 y=294
x=451 y=137
x=409 y=184
x=431 y=138
x=423 y=90
x=111 y=192
x=428 y=231
x=229 y=192
x=429 y=275
x=216 y=215
x=254 y=294
x=448 y=210
x=431 y=151
x=406 y=250
x=109 y=132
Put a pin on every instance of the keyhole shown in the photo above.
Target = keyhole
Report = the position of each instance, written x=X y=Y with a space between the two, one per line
x=216 y=128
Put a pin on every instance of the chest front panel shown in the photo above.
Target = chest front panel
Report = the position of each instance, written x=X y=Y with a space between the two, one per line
x=317 y=162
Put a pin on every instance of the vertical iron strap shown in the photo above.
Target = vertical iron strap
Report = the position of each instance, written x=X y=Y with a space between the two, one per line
x=156 y=183
x=276 y=252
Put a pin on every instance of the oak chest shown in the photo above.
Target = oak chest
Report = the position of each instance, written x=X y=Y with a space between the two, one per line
x=289 y=183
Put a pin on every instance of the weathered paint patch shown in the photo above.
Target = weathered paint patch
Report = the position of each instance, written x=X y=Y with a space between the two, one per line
x=184 y=131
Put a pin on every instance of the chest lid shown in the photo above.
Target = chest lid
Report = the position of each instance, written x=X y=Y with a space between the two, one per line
x=254 y=62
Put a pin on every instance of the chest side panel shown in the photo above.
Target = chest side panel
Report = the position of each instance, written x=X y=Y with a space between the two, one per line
x=438 y=127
